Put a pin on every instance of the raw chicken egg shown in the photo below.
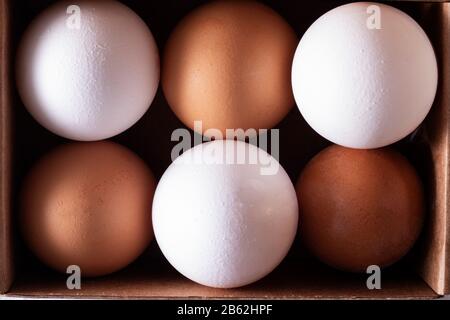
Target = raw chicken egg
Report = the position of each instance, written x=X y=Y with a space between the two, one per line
x=87 y=70
x=360 y=207
x=89 y=205
x=225 y=214
x=228 y=64
x=364 y=75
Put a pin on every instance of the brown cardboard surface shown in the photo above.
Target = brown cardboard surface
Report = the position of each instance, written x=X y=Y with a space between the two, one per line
x=292 y=280
x=446 y=103
x=298 y=276
x=6 y=261
x=434 y=267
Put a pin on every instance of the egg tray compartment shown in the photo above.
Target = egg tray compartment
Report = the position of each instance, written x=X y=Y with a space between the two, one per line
x=423 y=273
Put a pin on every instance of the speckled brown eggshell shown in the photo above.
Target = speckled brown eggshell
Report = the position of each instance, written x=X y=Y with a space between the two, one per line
x=360 y=207
x=88 y=204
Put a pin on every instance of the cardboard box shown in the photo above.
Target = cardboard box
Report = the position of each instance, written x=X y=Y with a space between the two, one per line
x=424 y=273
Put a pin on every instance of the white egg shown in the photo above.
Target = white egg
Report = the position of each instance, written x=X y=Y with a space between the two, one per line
x=87 y=70
x=221 y=224
x=364 y=75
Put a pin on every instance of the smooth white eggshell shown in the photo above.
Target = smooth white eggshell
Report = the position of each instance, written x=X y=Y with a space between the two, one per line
x=224 y=225
x=364 y=87
x=89 y=83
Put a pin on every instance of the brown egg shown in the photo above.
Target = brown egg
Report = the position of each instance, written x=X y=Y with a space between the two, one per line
x=228 y=64
x=88 y=204
x=360 y=207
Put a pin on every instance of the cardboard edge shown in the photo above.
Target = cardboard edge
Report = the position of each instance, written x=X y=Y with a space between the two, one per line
x=433 y=260
x=6 y=256
x=199 y=298
x=446 y=100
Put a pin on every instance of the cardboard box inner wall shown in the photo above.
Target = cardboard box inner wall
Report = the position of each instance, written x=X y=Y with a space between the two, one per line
x=423 y=273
